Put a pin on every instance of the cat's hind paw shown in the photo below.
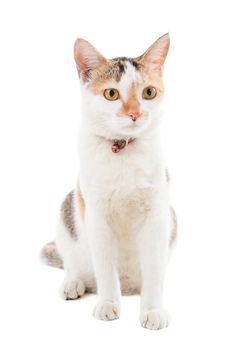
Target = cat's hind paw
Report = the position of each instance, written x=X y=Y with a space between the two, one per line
x=72 y=289
x=106 y=311
x=154 y=319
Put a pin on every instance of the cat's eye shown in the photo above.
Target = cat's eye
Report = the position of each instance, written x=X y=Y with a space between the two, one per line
x=111 y=94
x=149 y=93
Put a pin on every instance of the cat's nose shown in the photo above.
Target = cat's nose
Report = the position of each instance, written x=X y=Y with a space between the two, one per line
x=134 y=115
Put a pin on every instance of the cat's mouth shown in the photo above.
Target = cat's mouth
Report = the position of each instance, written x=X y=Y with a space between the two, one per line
x=134 y=125
x=125 y=127
x=137 y=125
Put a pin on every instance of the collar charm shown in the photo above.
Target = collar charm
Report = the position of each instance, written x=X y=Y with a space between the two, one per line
x=118 y=145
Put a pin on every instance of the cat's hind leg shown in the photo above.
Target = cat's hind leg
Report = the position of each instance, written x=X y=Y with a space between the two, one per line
x=70 y=250
x=73 y=286
x=68 y=245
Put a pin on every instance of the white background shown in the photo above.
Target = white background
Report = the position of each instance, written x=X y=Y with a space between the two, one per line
x=39 y=111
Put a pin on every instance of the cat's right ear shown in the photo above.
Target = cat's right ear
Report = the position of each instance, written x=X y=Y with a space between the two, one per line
x=87 y=59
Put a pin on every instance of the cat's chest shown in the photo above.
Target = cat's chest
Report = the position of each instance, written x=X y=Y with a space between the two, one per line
x=125 y=172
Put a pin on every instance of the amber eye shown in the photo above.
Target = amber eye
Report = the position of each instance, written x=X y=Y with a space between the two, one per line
x=149 y=93
x=111 y=94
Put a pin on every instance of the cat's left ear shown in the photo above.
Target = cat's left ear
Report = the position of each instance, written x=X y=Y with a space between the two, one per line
x=87 y=59
x=157 y=52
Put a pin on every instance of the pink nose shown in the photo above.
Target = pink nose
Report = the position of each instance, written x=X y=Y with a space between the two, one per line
x=134 y=115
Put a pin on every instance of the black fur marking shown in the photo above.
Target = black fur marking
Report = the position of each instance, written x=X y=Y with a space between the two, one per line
x=127 y=59
x=67 y=214
x=118 y=68
x=121 y=67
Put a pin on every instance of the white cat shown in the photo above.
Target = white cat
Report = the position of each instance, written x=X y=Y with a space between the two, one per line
x=117 y=228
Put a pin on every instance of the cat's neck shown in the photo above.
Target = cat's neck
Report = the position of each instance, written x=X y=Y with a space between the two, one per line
x=148 y=140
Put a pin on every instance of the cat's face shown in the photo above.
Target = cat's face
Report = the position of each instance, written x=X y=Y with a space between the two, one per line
x=121 y=96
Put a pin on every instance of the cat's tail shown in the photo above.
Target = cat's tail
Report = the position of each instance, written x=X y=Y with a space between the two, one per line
x=50 y=256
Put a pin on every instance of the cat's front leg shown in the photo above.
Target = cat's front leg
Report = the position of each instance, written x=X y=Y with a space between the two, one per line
x=153 y=251
x=103 y=250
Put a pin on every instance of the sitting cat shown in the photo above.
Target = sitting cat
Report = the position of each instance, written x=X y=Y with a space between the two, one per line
x=117 y=228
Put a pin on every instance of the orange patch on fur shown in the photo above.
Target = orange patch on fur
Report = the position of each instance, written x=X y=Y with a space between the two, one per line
x=107 y=72
x=153 y=75
x=81 y=202
x=131 y=104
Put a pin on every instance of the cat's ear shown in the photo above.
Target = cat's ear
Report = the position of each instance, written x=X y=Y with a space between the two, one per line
x=87 y=59
x=157 y=52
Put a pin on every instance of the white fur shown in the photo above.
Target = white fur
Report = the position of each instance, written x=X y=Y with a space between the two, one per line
x=123 y=240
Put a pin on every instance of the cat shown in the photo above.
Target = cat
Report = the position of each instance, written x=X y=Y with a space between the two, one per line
x=117 y=228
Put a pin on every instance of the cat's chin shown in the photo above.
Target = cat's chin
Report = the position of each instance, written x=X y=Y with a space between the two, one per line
x=135 y=129
x=122 y=129
x=128 y=134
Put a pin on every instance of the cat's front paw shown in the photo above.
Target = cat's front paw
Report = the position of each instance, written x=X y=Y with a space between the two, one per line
x=106 y=311
x=154 y=318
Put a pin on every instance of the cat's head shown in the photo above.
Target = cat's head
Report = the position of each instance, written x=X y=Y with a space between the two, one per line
x=121 y=96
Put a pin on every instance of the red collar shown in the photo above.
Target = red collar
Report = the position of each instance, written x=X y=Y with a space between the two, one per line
x=118 y=145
